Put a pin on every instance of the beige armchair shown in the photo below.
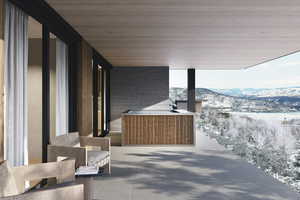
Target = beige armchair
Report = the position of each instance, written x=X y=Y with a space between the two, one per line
x=87 y=151
x=13 y=179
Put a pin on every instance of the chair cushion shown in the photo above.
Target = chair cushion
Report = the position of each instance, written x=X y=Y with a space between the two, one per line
x=94 y=157
x=70 y=139
x=8 y=186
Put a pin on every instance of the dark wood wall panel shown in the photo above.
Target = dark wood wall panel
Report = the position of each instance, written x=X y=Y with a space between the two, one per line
x=135 y=88
x=85 y=101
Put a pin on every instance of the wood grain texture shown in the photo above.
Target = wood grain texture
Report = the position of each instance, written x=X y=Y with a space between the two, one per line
x=104 y=143
x=157 y=129
x=2 y=16
x=85 y=101
x=74 y=146
x=63 y=171
x=200 y=33
x=77 y=153
x=74 y=192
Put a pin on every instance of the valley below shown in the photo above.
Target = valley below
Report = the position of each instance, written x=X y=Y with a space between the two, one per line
x=227 y=101
x=262 y=126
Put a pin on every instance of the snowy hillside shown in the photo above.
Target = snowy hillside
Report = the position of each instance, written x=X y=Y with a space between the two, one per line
x=273 y=147
x=226 y=102
x=274 y=92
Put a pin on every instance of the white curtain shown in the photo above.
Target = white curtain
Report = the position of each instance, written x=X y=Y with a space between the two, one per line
x=62 y=96
x=15 y=80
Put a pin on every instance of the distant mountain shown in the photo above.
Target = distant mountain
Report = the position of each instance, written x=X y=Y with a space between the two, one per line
x=263 y=92
x=242 y=103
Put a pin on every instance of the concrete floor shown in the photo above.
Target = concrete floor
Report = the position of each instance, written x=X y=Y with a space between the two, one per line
x=206 y=171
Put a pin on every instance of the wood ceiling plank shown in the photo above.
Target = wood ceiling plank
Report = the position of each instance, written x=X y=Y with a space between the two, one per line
x=200 y=33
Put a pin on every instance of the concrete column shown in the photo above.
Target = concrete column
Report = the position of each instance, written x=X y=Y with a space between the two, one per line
x=191 y=99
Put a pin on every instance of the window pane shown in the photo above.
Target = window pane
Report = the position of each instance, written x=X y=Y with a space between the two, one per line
x=178 y=87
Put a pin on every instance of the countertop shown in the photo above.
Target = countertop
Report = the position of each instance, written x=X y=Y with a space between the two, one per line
x=158 y=112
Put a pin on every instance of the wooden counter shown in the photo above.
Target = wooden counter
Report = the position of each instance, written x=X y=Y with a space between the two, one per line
x=157 y=127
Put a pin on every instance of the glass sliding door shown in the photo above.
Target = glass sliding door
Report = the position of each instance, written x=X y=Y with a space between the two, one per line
x=24 y=87
x=59 y=98
x=100 y=101
x=28 y=121
x=52 y=77
x=100 y=127
x=102 y=105
x=15 y=85
x=104 y=101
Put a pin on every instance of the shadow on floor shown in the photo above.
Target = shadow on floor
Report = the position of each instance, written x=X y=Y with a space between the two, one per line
x=185 y=174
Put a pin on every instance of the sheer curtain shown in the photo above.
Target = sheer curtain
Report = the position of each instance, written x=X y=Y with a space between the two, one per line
x=62 y=96
x=15 y=81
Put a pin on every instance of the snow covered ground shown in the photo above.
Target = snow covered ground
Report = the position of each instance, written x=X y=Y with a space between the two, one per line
x=276 y=117
x=271 y=141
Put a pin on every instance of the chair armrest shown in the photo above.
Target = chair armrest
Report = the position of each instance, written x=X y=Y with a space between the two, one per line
x=79 y=153
x=63 y=171
x=59 y=192
x=103 y=142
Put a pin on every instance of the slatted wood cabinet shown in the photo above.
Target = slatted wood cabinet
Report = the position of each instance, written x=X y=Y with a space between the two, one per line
x=155 y=129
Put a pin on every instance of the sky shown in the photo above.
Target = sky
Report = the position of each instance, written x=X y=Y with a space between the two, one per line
x=282 y=72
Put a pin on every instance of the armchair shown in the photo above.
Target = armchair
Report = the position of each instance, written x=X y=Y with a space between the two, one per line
x=12 y=183
x=89 y=151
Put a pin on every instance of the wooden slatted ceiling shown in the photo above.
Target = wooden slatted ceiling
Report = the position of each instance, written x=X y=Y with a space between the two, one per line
x=206 y=34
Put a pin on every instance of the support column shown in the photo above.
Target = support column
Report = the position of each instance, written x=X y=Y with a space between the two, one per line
x=2 y=49
x=191 y=99
x=85 y=90
x=95 y=98
x=46 y=93
x=102 y=102
x=73 y=68
x=107 y=106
